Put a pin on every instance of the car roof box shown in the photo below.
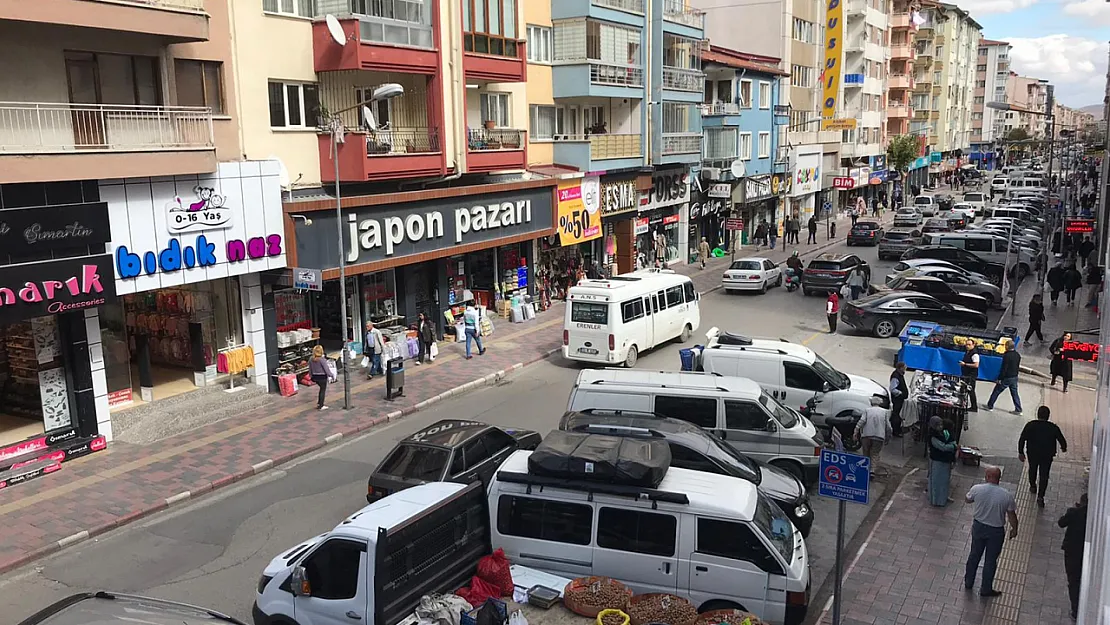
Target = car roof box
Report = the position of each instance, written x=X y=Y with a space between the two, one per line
x=595 y=457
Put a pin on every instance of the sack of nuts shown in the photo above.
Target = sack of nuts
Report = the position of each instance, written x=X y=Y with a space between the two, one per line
x=729 y=617
x=612 y=617
x=661 y=608
x=587 y=596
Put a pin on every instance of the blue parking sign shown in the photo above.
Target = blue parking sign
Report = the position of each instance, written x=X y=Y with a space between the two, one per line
x=844 y=476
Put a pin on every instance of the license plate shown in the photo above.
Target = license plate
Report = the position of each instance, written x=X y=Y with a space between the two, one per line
x=823 y=275
x=587 y=350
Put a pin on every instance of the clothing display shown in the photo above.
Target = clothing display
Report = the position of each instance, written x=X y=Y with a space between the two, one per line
x=164 y=317
x=235 y=360
x=30 y=365
x=941 y=395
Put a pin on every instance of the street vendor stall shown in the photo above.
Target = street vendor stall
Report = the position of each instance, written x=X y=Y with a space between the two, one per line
x=935 y=394
x=928 y=346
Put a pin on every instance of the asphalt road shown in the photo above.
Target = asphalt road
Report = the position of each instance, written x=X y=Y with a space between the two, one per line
x=211 y=552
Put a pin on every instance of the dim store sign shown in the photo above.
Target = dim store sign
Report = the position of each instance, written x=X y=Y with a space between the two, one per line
x=1078 y=350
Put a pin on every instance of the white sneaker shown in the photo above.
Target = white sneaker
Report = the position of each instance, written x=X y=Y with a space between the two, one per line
x=417 y=363
x=322 y=408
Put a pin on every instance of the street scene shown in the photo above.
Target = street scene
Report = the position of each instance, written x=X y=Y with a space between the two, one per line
x=530 y=312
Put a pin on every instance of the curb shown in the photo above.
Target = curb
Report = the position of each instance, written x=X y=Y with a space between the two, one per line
x=264 y=466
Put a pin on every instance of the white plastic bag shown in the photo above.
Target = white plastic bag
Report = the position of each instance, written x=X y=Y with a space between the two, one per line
x=433 y=351
x=333 y=374
x=365 y=362
x=518 y=618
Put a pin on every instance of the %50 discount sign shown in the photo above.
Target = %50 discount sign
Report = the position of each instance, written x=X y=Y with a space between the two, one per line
x=579 y=217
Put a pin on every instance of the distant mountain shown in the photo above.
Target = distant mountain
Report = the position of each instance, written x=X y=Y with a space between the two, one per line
x=1093 y=109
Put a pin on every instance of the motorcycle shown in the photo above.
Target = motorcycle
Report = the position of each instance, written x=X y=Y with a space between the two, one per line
x=792 y=280
x=839 y=432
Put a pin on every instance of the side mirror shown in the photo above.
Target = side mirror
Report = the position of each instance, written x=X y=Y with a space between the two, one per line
x=826 y=387
x=299 y=583
x=772 y=426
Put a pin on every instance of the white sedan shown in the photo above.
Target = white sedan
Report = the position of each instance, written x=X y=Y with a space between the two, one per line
x=751 y=274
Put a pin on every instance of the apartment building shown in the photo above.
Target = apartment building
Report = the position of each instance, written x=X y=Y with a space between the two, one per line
x=120 y=151
x=1028 y=99
x=992 y=71
x=903 y=31
x=864 y=80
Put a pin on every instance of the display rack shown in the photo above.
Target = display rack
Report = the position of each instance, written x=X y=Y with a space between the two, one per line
x=231 y=346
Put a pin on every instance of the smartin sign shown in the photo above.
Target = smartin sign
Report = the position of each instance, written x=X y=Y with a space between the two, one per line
x=45 y=229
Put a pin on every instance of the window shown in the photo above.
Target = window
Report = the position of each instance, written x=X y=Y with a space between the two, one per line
x=199 y=83
x=735 y=541
x=546 y=122
x=981 y=68
x=746 y=94
x=975 y=245
x=746 y=146
x=588 y=312
x=299 y=8
x=118 y=79
x=801 y=76
x=979 y=99
x=632 y=310
x=701 y=411
x=540 y=519
x=677 y=117
x=764 y=95
x=803 y=30
x=539 y=44
x=293 y=105
x=686 y=458
x=416 y=462
x=495 y=107
x=470 y=455
x=636 y=531
x=926 y=303
x=688 y=290
x=496 y=441
x=674 y=296
x=764 y=145
x=803 y=377
x=333 y=569
x=490 y=27
x=743 y=415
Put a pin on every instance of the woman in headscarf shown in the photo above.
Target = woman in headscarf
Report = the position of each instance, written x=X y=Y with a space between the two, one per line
x=1060 y=367
x=942 y=453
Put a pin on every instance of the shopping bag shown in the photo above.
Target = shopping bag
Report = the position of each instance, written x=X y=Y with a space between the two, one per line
x=434 y=351
x=485 y=326
x=333 y=374
x=413 y=347
x=365 y=362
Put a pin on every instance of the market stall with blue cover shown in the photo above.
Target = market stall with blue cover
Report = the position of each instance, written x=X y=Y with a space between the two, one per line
x=928 y=346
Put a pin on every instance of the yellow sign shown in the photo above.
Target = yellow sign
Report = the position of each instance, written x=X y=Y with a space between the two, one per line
x=834 y=51
x=579 y=211
x=838 y=124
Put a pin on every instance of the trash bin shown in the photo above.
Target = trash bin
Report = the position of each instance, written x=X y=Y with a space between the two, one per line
x=394 y=378
x=687 y=357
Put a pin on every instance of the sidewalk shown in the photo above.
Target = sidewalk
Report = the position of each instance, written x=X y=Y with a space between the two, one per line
x=127 y=482
x=910 y=569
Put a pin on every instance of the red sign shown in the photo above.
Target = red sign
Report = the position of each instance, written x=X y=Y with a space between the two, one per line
x=1076 y=350
x=844 y=183
x=670 y=219
x=734 y=224
x=119 y=398
x=1079 y=226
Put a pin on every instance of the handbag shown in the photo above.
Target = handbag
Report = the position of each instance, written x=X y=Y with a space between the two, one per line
x=333 y=374
x=433 y=351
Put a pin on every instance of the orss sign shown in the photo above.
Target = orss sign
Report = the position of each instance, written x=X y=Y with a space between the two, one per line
x=668 y=187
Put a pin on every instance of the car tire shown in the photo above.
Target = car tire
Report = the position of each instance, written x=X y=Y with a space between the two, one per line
x=884 y=329
x=791 y=467
x=779 y=281
x=687 y=332
x=763 y=288
x=631 y=358
x=990 y=300
x=806 y=292
x=1023 y=271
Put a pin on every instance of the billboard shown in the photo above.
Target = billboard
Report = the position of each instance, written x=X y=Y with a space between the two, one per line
x=831 y=71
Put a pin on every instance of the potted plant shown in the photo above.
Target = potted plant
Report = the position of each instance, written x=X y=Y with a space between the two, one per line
x=489 y=124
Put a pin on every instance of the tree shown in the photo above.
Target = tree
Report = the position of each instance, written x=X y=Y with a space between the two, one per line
x=901 y=152
x=1017 y=134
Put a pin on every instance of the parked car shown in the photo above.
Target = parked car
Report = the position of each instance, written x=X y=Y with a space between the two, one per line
x=935 y=224
x=926 y=204
x=908 y=217
x=977 y=200
x=953 y=276
x=896 y=241
x=865 y=233
x=965 y=210
x=885 y=314
x=447 y=451
x=751 y=274
x=939 y=289
x=108 y=608
x=959 y=257
x=928 y=263
x=829 y=272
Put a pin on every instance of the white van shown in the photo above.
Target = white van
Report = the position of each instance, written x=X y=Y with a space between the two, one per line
x=791 y=373
x=735 y=409
x=988 y=246
x=712 y=538
x=978 y=201
x=612 y=321
x=926 y=204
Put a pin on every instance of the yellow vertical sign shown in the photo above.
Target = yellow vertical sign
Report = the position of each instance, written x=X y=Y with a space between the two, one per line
x=833 y=67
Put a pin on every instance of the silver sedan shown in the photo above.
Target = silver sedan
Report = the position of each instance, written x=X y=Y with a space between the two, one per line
x=958 y=281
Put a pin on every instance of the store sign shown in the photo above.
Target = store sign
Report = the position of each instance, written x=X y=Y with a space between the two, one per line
x=642 y=225
x=757 y=188
x=667 y=189
x=807 y=173
x=618 y=197
x=780 y=183
x=670 y=219
x=722 y=190
x=44 y=229
x=878 y=177
x=308 y=279
x=579 y=210
x=55 y=286
x=1078 y=350
x=204 y=211
x=199 y=254
x=833 y=65
x=878 y=161
x=1079 y=226
x=844 y=182
x=736 y=223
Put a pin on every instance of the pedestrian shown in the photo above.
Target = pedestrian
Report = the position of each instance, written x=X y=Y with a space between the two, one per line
x=1055 y=279
x=760 y=233
x=861 y=210
x=994 y=505
x=1074 y=523
x=320 y=373
x=1094 y=281
x=899 y=391
x=872 y=431
x=471 y=319
x=1073 y=280
x=374 y=347
x=1060 y=366
x=832 y=308
x=703 y=251
x=773 y=233
x=660 y=250
x=426 y=336
x=1086 y=246
x=796 y=228
x=812 y=224
x=942 y=455
x=857 y=282
x=1036 y=317
x=969 y=370
x=1037 y=443
x=1008 y=378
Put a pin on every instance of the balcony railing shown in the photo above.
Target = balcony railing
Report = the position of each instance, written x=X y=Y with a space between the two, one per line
x=900 y=20
x=721 y=108
x=616 y=75
x=683 y=79
x=492 y=139
x=394 y=32
x=901 y=51
x=177 y=5
x=402 y=141
x=52 y=127
x=615 y=146
x=628 y=6
x=681 y=143
x=901 y=81
x=677 y=11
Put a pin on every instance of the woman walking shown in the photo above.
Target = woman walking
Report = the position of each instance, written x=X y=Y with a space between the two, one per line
x=320 y=374
x=1073 y=280
x=425 y=336
x=942 y=454
x=832 y=309
x=1060 y=367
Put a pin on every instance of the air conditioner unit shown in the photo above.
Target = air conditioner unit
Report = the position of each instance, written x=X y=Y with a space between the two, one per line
x=712 y=173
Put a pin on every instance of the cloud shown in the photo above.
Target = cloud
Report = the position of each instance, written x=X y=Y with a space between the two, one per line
x=1096 y=11
x=1076 y=66
x=978 y=8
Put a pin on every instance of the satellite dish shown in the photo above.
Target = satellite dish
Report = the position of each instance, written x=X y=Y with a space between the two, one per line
x=737 y=168
x=335 y=29
x=369 y=119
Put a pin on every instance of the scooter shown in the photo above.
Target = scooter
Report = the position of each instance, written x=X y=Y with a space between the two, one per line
x=838 y=432
x=792 y=280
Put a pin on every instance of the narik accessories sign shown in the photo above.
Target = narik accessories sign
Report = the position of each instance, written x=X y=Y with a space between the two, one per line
x=54 y=287
x=205 y=212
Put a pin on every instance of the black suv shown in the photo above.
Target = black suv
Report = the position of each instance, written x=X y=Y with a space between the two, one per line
x=865 y=233
x=447 y=451
x=961 y=258
x=829 y=272
x=694 y=448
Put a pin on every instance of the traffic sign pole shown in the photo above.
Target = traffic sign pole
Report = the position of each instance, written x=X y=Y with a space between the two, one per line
x=837 y=590
x=844 y=477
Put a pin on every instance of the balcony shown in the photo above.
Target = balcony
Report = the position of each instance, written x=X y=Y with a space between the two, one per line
x=897 y=111
x=900 y=81
x=855 y=9
x=177 y=21
x=677 y=12
x=95 y=141
x=675 y=143
x=494 y=59
x=496 y=149
x=386 y=45
x=628 y=6
x=721 y=108
x=384 y=155
x=900 y=20
x=677 y=79
x=902 y=51
x=590 y=78
x=940 y=40
x=601 y=152
x=938 y=65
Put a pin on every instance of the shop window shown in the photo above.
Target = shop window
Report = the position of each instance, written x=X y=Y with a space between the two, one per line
x=637 y=531
x=540 y=519
x=35 y=393
x=379 y=298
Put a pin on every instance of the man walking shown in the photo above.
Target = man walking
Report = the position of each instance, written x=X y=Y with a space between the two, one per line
x=969 y=369
x=899 y=391
x=994 y=505
x=1036 y=317
x=1074 y=523
x=374 y=347
x=812 y=240
x=872 y=431
x=703 y=251
x=470 y=324
x=1008 y=378
x=1038 y=442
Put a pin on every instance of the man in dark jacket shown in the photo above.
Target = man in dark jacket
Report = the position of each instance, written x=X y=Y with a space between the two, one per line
x=1036 y=317
x=812 y=240
x=1074 y=523
x=1038 y=443
x=1008 y=378
x=1055 y=280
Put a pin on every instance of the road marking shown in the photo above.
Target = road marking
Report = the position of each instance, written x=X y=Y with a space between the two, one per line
x=811 y=337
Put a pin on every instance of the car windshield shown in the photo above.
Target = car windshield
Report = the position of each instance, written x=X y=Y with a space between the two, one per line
x=923 y=200
x=725 y=454
x=588 y=312
x=974 y=197
x=787 y=417
x=416 y=462
x=824 y=265
x=746 y=265
x=772 y=522
x=830 y=373
x=907 y=212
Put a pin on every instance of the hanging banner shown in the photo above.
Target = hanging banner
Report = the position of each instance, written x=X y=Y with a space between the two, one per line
x=579 y=214
x=831 y=71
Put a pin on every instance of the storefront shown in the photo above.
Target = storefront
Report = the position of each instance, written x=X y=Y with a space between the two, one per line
x=710 y=205
x=661 y=225
x=52 y=408
x=755 y=199
x=620 y=199
x=806 y=182
x=194 y=263
x=575 y=250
